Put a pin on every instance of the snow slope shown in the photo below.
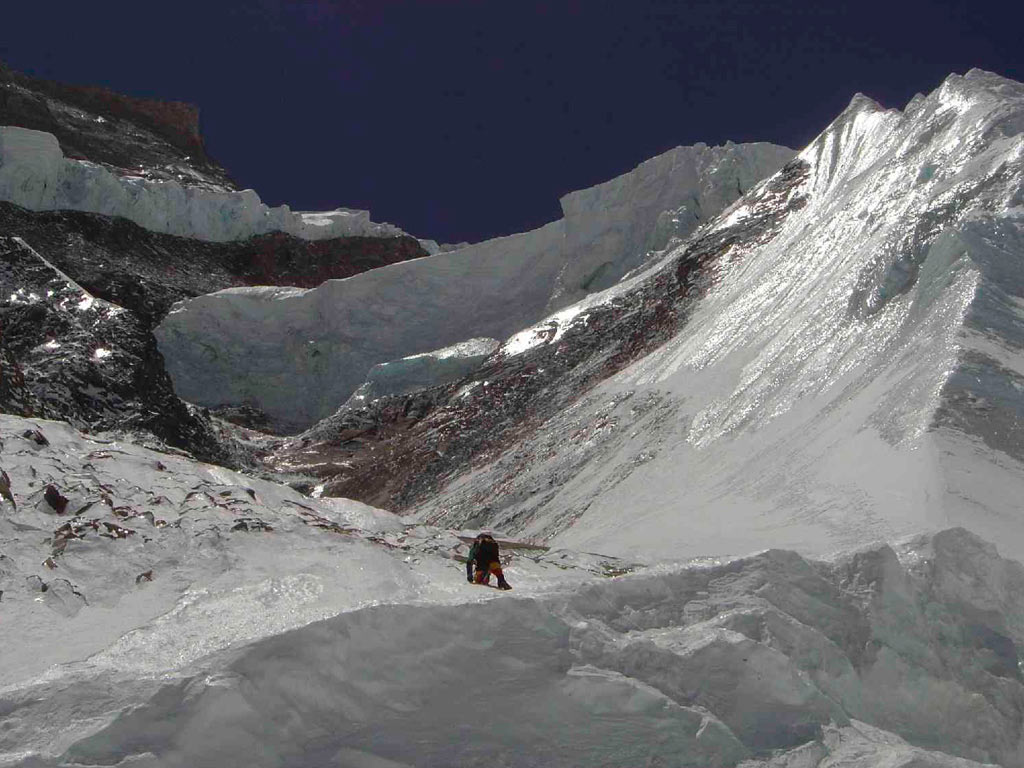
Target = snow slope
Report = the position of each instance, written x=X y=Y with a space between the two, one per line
x=853 y=374
x=35 y=174
x=153 y=560
x=185 y=615
x=273 y=348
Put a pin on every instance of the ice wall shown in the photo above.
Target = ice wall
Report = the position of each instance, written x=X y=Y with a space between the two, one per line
x=35 y=174
x=299 y=355
x=611 y=228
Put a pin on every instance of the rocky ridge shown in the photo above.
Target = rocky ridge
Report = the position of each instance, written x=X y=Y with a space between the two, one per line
x=147 y=272
x=158 y=140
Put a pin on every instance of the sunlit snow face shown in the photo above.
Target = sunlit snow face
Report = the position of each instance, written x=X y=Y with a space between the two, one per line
x=548 y=332
x=857 y=296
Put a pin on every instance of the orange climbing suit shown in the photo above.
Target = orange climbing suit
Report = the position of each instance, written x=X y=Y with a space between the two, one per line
x=483 y=576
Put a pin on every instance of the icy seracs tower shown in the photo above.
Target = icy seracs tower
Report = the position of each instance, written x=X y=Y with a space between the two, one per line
x=855 y=373
x=35 y=174
x=299 y=354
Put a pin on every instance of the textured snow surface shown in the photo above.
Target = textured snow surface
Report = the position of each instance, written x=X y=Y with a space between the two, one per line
x=171 y=613
x=217 y=576
x=858 y=376
x=273 y=350
x=35 y=174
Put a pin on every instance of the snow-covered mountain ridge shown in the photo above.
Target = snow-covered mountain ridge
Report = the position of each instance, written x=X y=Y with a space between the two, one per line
x=298 y=355
x=835 y=359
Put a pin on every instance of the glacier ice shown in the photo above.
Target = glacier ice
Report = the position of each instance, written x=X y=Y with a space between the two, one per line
x=35 y=174
x=611 y=228
x=298 y=356
x=422 y=371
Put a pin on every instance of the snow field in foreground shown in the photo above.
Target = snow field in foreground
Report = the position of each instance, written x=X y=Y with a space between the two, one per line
x=704 y=664
x=157 y=560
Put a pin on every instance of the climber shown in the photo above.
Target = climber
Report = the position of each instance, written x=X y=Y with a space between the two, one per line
x=484 y=555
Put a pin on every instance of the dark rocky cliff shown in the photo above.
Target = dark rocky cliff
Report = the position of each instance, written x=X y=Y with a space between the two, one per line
x=147 y=272
x=66 y=355
x=154 y=139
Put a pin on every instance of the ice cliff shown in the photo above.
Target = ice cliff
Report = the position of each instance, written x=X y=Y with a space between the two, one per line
x=422 y=371
x=612 y=228
x=35 y=174
x=298 y=355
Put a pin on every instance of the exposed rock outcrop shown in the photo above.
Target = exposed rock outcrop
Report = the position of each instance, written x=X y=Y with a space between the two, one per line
x=147 y=272
x=71 y=356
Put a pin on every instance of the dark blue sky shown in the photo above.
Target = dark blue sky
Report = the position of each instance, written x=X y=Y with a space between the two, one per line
x=463 y=120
